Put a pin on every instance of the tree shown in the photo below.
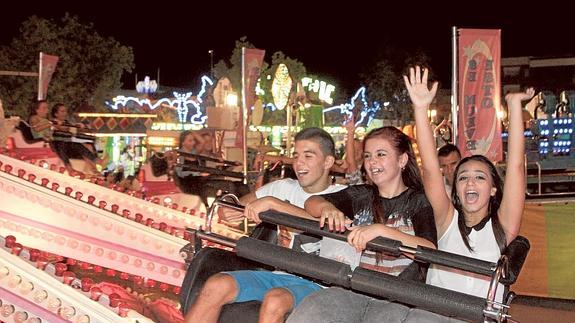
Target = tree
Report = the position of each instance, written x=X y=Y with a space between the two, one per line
x=89 y=69
x=233 y=70
x=384 y=82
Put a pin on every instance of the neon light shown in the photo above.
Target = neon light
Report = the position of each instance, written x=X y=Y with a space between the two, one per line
x=281 y=86
x=181 y=103
x=347 y=108
x=117 y=115
x=323 y=89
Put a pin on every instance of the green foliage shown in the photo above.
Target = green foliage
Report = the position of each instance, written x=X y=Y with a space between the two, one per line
x=90 y=65
x=384 y=82
x=233 y=69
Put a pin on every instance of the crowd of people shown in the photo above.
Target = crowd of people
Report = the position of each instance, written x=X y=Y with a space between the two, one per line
x=449 y=203
x=453 y=204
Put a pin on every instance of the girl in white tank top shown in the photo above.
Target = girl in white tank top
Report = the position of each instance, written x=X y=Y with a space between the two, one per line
x=481 y=218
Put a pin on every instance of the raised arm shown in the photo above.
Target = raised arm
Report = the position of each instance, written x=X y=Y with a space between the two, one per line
x=421 y=97
x=350 y=146
x=511 y=209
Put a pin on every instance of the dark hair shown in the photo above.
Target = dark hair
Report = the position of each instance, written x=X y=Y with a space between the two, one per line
x=494 y=202
x=320 y=136
x=183 y=136
x=34 y=106
x=55 y=108
x=448 y=149
x=409 y=174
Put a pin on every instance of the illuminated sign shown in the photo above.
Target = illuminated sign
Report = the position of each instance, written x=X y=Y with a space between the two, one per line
x=281 y=86
x=181 y=103
x=323 y=89
x=170 y=126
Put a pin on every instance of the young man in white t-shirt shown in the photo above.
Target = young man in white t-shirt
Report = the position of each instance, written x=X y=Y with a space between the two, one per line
x=279 y=292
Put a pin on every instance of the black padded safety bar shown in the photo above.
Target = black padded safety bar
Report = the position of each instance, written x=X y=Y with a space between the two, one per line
x=427 y=297
x=312 y=266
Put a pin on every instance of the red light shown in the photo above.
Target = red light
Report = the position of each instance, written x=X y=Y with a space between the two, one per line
x=68 y=277
x=87 y=284
x=31 y=178
x=41 y=263
x=95 y=293
x=60 y=268
x=110 y=272
x=9 y=241
x=34 y=253
x=114 y=299
x=17 y=248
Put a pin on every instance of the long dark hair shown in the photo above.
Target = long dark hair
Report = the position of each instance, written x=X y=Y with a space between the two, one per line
x=494 y=202
x=409 y=174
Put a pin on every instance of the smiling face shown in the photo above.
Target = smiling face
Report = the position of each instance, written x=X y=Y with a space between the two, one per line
x=311 y=166
x=382 y=162
x=474 y=185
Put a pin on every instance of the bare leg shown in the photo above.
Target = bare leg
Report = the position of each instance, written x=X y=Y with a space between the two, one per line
x=277 y=303
x=219 y=290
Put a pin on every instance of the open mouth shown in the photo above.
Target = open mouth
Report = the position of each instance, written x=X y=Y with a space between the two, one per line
x=471 y=196
x=302 y=172
x=375 y=171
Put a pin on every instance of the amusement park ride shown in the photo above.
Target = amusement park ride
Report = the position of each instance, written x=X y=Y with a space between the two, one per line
x=51 y=222
x=549 y=146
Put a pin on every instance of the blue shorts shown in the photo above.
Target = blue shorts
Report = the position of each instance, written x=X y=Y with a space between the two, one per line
x=254 y=284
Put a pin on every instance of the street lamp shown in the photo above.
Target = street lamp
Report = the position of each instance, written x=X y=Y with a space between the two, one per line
x=211 y=52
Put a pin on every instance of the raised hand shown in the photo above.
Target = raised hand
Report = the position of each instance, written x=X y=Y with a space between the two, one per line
x=419 y=92
x=520 y=96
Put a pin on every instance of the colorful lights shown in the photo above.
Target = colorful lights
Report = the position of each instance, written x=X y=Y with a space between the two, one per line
x=181 y=103
x=281 y=87
x=347 y=108
x=323 y=89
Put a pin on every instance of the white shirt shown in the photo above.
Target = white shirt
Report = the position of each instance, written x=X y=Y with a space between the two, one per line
x=289 y=190
x=484 y=247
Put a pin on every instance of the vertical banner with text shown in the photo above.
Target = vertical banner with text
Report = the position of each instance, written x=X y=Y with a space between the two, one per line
x=252 y=60
x=47 y=68
x=479 y=129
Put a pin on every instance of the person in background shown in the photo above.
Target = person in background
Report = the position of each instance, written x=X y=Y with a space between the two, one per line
x=449 y=156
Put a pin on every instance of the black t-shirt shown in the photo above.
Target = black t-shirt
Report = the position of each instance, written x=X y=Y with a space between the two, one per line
x=356 y=202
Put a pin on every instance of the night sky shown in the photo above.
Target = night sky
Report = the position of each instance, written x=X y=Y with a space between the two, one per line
x=334 y=40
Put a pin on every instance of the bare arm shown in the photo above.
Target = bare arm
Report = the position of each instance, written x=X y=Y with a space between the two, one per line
x=319 y=208
x=254 y=208
x=421 y=97
x=350 y=146
x=361 y=235
x=511 y=209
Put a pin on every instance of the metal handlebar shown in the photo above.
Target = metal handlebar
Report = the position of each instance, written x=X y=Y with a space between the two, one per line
x=221 y=201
